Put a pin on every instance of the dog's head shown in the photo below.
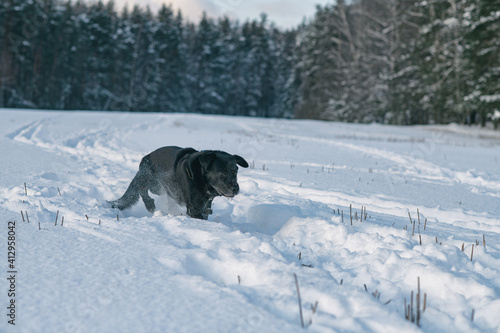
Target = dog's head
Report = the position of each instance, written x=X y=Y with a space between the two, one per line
x=220 y=170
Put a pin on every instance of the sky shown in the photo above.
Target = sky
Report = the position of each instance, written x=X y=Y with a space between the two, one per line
x=285 y=13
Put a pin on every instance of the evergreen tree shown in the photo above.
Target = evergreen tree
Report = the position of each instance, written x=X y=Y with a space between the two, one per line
x=286 y=81
x=260 y=74
x=320 y=53
x=170 y=62
x=21 y=29
x=483 y=50
x=392 y=61
x=204 y=52
x=99 y=63
x=404 y=80
x=441 y=62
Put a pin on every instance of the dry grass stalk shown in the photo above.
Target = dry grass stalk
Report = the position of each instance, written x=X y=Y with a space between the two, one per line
x=418 y=216
x=406 y=311
x=484 y=240
x=22 y=215
x=425 y=223
x=418 y=301
x=87 y=217
x=39 y=228
x=411 y=314
x=350 y=212
x=27 y=218
x=62 y=221
x=411 y=308
x=59 y=191
x=57 y=215
x=314 y=307
x=472 y=252
x=25 y=189
x=117 y=217
x=300 y=302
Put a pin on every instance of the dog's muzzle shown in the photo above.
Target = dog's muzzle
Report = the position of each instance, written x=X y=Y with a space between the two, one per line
x=231 y=190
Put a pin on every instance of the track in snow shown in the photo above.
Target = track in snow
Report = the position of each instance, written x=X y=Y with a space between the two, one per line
x=235 y=272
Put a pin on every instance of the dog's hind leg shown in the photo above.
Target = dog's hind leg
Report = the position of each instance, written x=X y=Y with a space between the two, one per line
x=139 y=186
x=146 y=183
x=130 y=197
x=148 y=201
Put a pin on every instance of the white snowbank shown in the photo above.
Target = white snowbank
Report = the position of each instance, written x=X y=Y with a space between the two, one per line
x=234 y=273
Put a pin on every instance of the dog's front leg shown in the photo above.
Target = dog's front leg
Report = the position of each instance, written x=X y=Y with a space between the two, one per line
x=208 y=208
x=197 y=207
x=196 y=213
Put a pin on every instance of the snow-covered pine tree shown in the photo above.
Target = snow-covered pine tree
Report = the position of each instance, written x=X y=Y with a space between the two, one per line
x=18 y=52
x=320 y=45
x=201 y=86
x=286 y=84
x=440 y=60
x=99 y=26
x=170 y=62
x=483 y=50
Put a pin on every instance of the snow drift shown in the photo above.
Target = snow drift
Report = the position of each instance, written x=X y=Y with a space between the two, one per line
x=417 y=196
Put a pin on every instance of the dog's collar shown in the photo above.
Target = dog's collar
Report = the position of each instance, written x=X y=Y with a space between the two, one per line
x=189 y=173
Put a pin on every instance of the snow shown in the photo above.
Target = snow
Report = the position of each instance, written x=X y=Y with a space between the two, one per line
x=496 y=115
x=451 y=22
x=234 y=272
x=490 y=98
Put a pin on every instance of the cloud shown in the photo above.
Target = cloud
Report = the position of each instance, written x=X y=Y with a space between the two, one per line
x=193 y=9
x=285 y=13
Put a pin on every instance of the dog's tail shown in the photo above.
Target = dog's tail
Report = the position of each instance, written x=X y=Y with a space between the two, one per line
x=130 y=197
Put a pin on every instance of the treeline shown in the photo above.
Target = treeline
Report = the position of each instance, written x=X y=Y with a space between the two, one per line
x=389 y=61
x=66 y=55
x=402 y=62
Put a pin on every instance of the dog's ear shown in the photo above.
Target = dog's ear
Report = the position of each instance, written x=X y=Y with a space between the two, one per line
x=206 y=159
x=241 y=161
x=199 y=162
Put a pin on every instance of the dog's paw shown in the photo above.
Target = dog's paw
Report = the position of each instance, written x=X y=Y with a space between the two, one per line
x=112 y=204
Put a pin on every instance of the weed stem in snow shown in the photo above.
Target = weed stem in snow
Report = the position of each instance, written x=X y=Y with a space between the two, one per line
x=300 y=302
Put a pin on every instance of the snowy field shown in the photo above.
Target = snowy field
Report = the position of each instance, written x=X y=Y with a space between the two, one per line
x=235 y=272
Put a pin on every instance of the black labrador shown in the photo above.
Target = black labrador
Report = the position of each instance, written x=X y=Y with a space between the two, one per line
x=192 y=178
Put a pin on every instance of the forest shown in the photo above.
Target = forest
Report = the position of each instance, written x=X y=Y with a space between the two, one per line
x=387 y=61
